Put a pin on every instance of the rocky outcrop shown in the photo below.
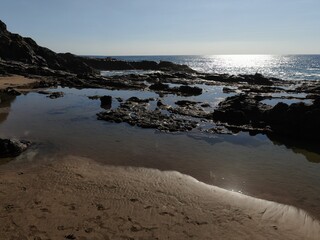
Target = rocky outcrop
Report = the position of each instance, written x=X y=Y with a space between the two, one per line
x=297 y=119
x=136 y=113
x=183 y=90
x=14 y=47
x=246 y=112
x=114 y=64
x=12 y=147
x=106 y=102
x=255 y=79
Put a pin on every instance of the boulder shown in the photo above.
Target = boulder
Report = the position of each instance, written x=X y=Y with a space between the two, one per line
x=106 y=102
x=12 y=147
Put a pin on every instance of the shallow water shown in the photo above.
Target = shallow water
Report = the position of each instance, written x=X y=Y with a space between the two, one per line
x=278 y=170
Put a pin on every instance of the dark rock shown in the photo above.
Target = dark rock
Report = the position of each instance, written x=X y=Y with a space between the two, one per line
x=246 y=113
x=231 y=116
x=56 y=95
x=169 y=66
x=138 y=114
x=11 y=91
x=278 y=112
x=190 y=91
x=138 y=100
x=3 y=26
x=106 y=102
x=256 y=79
x=160 y=87
x=228 y=90
x=12 y=148
x=205 y=105
x=160 y=104
x=119 y=99
x=114 y=64
x=43 y=92
x=184 y=103
x=13 y=47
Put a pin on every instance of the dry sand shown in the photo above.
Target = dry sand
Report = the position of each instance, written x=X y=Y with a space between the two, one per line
x=15 y=81
x=76 y=198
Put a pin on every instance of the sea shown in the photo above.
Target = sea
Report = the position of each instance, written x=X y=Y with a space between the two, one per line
x=286 y=67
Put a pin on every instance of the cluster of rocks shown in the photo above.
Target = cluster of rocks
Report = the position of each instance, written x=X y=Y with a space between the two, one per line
x=246 y=112
x=135 y=112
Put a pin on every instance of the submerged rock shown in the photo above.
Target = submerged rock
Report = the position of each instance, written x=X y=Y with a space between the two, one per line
x=12 y=147
x=56 y=95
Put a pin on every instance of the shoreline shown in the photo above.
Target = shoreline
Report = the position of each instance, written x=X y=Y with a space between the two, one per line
x=81 y=198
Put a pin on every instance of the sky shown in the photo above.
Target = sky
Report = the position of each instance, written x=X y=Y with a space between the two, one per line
x=168 y=27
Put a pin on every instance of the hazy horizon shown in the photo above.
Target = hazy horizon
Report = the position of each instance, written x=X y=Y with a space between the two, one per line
x=144 y=28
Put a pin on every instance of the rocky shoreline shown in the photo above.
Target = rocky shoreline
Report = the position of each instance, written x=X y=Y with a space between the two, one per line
x=243 y=110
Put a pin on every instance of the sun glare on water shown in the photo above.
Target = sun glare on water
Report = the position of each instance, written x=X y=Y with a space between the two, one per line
x=247 y=61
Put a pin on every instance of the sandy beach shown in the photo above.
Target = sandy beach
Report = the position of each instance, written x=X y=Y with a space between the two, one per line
x=16 y=81
x=77 y=198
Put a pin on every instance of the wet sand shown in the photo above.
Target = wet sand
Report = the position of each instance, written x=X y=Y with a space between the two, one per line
x=15 y=81
x=77 y=198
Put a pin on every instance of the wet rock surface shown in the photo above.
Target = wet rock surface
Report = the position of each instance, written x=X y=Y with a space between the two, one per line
x=247 y=113
x=12 y=147
x=136 y=113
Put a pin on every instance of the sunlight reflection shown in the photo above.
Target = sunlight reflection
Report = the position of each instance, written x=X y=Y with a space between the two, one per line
x=248 y=61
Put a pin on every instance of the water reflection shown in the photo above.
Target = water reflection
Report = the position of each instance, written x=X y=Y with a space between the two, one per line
x=310 y=150
x=5 y=102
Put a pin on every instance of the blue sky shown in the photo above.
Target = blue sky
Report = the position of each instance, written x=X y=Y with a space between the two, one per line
x=147 y=27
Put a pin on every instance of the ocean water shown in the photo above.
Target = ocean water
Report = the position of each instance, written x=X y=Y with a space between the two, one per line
x=287 y=67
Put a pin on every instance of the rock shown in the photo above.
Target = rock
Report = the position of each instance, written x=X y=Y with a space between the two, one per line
x=139 y=115
x=190 y=91
x=278 y=112
x=233 y=116
x=159 y=87
x=12 y=147
x=183 y=90
x=246 y=113
x=106 y=102
x=119 y=99
x=138 y=100
x=169 y=66
x=11 y=91
x=3 y=26
x=22 y=49
x=205 y=105
x=55 y=95
x=228 y=90
x=160 y=104
x=184 y=103
x=191 y=111
x=114 y=64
